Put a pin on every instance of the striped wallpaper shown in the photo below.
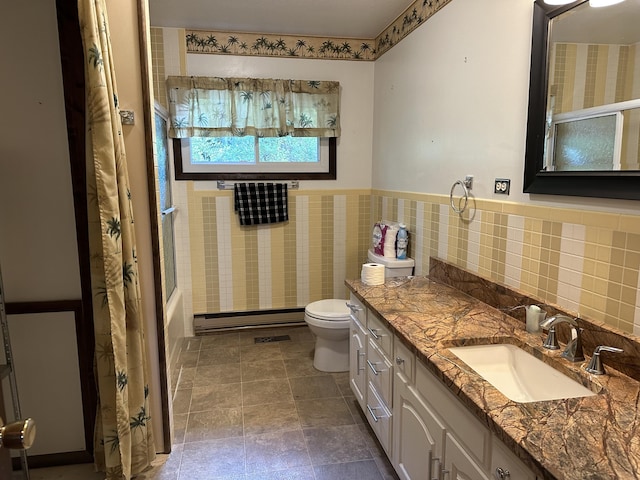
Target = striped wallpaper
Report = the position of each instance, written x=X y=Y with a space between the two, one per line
x=286 y=265
x=585 y=75
x=585 y=261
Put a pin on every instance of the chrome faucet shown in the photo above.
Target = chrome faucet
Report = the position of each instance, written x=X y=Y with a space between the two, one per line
x=573 y=351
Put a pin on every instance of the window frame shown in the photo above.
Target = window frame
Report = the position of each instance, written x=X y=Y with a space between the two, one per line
x=180 y=174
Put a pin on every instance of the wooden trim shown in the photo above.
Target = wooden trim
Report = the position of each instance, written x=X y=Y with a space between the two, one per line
x=85 y=358
x=54 y=459
x=332 y=174
x=72 y=60
x=604 y=184
x=147 y=97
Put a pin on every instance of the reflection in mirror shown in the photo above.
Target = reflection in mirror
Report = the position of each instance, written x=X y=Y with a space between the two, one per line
x=583 y=130
x=594 y=87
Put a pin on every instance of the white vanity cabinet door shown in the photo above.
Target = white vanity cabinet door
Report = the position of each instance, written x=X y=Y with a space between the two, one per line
x=468 y=430
x=358 y=362
x=459 y=465
x=418 y=434
x=502 y=459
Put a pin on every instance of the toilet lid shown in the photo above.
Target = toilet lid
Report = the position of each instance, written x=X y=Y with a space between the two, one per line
x=332 y=309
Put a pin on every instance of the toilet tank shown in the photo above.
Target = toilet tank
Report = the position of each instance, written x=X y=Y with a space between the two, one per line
x=393 y=267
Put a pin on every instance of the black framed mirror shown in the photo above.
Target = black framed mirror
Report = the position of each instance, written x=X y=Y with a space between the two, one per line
x=538 y=179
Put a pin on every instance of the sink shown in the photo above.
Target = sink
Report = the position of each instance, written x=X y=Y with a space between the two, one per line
x=520 y=376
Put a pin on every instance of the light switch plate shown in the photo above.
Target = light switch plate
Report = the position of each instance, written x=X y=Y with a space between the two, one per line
x=502 y=186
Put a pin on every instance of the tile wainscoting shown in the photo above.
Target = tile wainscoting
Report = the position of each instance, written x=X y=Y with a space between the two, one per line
x=585 y=261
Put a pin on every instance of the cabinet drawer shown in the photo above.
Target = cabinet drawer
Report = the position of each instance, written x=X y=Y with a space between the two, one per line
x=503 y=460
x=380 y=372
x=379 y=418
x=380 y=334
x=358 y=312
x=403 y=360
x=467 y=428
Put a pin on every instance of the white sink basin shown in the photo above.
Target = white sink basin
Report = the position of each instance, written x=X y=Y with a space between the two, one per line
x=520 y=376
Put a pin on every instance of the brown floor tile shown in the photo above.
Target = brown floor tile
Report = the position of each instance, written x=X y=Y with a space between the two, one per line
x=217 y=374
x=321 y=386
x=266 y=391
x=266 y=370
x=342 y=380
x=179 y=428
x=181 y=401
x=297 y=349
x=298 y=473
x=276 y=451
x=219 y=340
x=326 y=412
x=336 y=444
x=277 y=417
x=219 y=355
x=356 y=411
x=214 y=424
x=260 y=353
x=191 y=344
x=185 y=377
x=221 y=458
x=216 y=396
x=385 y=468
x=301 y=367
x=365 y=469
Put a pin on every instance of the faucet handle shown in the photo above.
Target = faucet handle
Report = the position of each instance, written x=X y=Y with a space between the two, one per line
x=596 y=366
x=551 y=342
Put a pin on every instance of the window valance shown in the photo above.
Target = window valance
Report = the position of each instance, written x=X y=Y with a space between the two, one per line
x=262 y=107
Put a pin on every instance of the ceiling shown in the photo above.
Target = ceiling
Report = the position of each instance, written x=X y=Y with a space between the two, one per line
x=616 y=24
x=331 y=18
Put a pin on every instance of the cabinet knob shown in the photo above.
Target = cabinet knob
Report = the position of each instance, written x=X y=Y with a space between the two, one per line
x=502 y=474
x=399 y=360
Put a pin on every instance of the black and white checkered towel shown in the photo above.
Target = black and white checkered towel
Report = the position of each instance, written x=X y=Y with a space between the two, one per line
x=259 y=203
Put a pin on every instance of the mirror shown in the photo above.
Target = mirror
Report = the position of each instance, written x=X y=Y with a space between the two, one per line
x=583 y=129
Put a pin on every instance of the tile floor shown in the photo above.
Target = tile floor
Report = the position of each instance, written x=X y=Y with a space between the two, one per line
x=247 y=411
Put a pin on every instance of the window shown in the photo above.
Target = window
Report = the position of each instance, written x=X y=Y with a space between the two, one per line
x=166 y=203
x=236 y=158
x=250 y=128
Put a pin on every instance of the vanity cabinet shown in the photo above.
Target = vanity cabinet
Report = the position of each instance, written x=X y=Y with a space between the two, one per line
x=418 y=434
x=424 y=429
x=358 y=352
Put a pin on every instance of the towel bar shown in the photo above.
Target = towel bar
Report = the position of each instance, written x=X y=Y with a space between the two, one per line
x=293 y=184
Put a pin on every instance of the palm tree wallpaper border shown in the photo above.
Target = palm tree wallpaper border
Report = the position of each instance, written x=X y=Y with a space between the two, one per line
x=326 y=48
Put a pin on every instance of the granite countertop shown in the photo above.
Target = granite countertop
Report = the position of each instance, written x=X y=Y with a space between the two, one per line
x=592 y=437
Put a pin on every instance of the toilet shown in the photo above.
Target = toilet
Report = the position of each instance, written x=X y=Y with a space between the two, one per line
x=328 y=320
x=393 y=267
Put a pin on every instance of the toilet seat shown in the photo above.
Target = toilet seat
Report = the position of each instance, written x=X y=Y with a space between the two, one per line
x=331 y=310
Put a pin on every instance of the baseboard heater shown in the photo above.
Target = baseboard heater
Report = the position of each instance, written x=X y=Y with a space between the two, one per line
x=212 y=322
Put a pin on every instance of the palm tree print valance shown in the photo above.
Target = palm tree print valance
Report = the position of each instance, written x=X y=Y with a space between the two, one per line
x=263 y=107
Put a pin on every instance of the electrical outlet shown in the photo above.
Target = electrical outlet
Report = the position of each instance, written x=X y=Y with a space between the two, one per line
x=502 y=185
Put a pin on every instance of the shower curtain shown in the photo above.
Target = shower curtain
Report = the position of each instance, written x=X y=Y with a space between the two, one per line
x=123 y=436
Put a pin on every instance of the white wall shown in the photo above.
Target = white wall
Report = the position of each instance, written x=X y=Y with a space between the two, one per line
x=38 y=248
x=451 y=100
x=356 y=107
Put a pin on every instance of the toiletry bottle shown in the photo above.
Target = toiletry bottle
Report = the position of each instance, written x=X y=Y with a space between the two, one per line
x=402 y=241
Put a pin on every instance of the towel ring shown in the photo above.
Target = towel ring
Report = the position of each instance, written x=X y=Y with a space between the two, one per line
x=462 y=208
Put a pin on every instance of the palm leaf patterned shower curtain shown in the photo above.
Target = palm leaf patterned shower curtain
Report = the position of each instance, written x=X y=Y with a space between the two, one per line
x=124 y=442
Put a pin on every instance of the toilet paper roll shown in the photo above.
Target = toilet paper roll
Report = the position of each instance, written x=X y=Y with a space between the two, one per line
x=372 y=274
